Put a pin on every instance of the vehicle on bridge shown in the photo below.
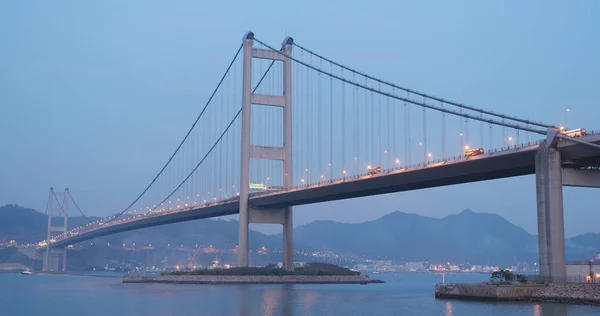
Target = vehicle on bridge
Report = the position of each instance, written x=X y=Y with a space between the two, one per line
x=578 y=132
x=373 y=170
x=255 y=186
x=474 y=152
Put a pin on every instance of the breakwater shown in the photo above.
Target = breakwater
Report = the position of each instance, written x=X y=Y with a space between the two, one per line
x=252 y=279
x=574 y=293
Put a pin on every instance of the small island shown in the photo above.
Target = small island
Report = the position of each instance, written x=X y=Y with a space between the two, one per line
x=311 y=273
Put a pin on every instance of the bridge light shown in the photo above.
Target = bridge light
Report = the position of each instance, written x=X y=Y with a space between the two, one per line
x=397 y=161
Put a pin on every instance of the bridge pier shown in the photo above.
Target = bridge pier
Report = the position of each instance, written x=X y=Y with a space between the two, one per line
x=551 y=229
x=55 y=260
x=249 y=214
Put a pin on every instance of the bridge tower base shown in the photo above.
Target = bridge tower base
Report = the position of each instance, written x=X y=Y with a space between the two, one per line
x=53 y=256
x=551 y=229
x=249 y=214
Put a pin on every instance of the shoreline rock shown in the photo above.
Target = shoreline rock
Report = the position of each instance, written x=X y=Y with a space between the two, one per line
x=252 y=279
x=572 y=293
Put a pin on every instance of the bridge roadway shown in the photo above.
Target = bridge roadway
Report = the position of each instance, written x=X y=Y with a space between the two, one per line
x=492 y=165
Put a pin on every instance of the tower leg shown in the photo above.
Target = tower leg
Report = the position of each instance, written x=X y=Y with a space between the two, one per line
x=45 y=259
x=245 y=161
x=551 y=230
x=288 y=240
x=243 y=247
x=64 y=259
x=54 y=257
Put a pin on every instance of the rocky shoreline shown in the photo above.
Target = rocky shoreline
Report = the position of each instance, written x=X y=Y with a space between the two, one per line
x=573 y=293
x=253 y=279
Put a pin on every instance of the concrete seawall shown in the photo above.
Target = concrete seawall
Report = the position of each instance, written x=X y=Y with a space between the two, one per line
x=255 y=279
x=576 y=293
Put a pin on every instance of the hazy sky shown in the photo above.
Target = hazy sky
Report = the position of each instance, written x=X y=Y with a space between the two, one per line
x=96 y=96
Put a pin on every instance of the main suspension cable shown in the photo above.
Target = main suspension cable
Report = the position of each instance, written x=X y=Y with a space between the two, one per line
x=541 y=132
x=218 y=140
x=184 y=139
x=426 y=95
x=76 y=206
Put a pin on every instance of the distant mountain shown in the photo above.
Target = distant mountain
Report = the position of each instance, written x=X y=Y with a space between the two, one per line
x=26 y=225
x=583 y=247
x=465 y=237
x=472 y=237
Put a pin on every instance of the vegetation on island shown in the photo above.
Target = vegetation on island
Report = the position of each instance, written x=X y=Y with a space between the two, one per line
x=505 y=276
x=313 y=268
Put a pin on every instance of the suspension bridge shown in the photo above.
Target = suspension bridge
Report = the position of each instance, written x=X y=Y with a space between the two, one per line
x=287 y=126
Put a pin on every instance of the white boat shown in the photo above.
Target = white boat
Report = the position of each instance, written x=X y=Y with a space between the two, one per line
x=27 y=272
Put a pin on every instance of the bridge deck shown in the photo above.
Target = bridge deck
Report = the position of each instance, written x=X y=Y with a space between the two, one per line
x=493 y=165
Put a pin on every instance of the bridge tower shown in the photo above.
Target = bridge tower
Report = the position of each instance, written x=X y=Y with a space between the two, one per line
x=53 y=255
x=249 y=214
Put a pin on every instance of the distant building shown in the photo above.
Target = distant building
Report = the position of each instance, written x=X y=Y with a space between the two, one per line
x=584 y=271
x=414 y=266
x=296 y=264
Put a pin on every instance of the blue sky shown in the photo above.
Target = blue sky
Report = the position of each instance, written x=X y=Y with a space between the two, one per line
x=83 y=86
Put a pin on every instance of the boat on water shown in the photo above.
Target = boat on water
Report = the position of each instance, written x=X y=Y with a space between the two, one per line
x=27 y=272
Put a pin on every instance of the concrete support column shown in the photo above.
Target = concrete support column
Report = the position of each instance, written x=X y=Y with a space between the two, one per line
x=54 y=258
x=243 y=247
x=64 y=259
x=551 y=230
x=288 y=223
x=288 y=239
x=51 y=260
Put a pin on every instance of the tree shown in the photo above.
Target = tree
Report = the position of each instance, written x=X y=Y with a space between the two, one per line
x=503 y=275
x=521 y=278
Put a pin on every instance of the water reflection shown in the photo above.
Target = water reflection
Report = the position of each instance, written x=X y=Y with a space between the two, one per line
x=537 y=310
x=550 y=309
x=269 y=302
x=449 y=311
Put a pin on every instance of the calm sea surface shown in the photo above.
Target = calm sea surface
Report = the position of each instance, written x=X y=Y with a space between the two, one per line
x=403 y=294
